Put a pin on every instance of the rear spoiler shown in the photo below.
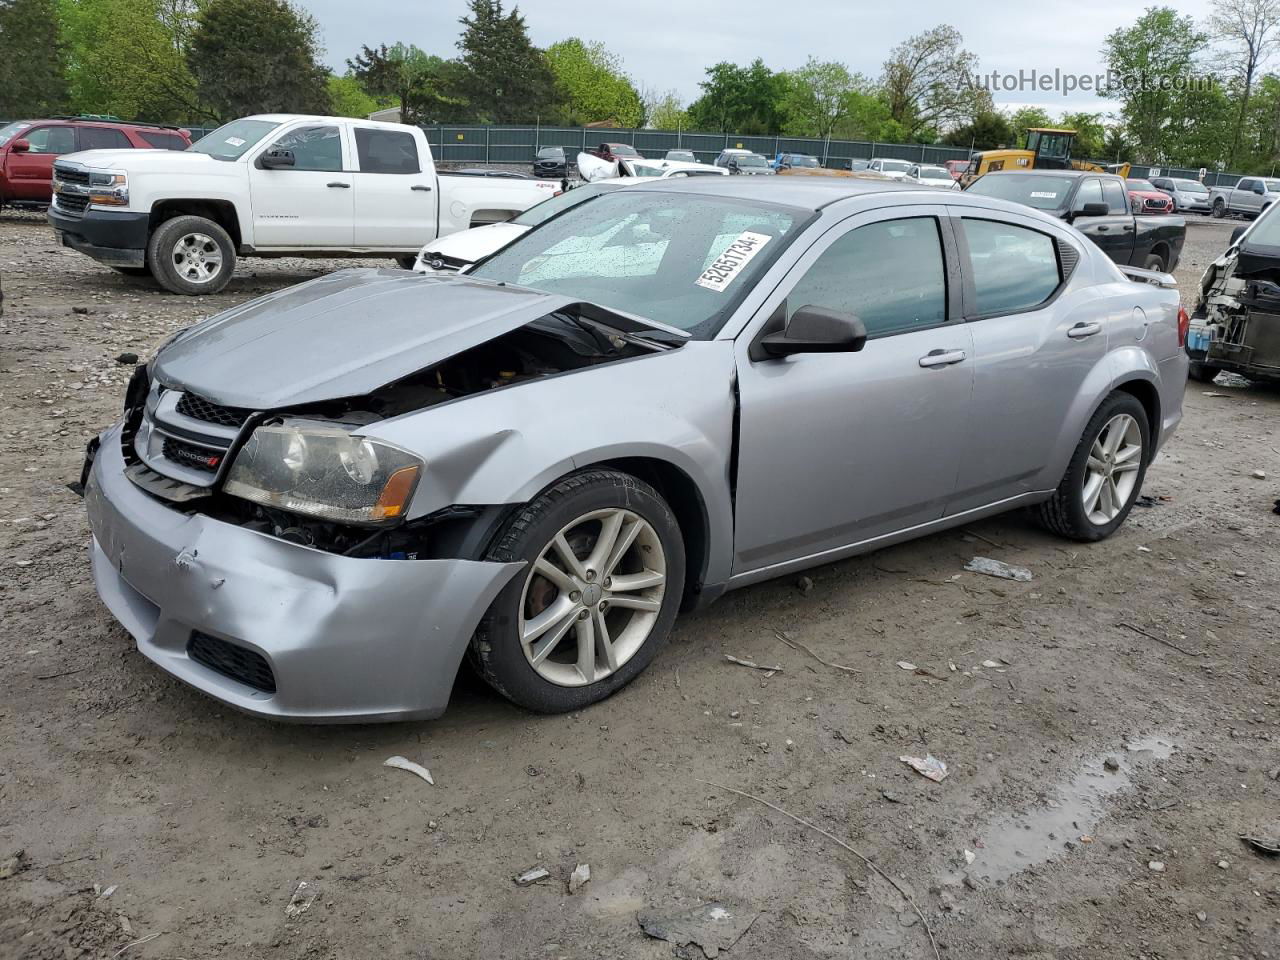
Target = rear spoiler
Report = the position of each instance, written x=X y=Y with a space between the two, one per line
x=1153 y=277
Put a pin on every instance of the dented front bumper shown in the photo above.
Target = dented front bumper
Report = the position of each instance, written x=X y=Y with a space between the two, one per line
x=277 y=629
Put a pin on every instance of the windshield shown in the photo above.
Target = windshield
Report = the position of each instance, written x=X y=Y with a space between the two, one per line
x=897 y=166
x=622 y=150
x=1043 y=193
x=685 y=155
x=1190 y=186
x=544 y=211
x=1141 y=185
x=799 y=160
x=547 y=153
x=231 y=140
x=751 y=160
x=642 y=170
x=1265 y=231
x=677 y=258
x=11 y=130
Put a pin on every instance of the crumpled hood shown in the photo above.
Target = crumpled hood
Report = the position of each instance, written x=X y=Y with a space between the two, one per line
x=341 y=335
x=143 y=161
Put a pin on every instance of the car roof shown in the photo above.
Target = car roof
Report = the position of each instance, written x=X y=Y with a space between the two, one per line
x=1074 y=174
x=812 y=193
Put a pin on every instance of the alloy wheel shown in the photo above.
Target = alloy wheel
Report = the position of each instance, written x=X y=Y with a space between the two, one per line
x=1111 y=474
x=602 y=579
x=197 y=258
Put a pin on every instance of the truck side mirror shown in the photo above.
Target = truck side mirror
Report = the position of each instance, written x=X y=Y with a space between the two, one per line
x=733 y=165
x=275 y=159
x=20 y=145
x=1259 y=189
x=1093 y=210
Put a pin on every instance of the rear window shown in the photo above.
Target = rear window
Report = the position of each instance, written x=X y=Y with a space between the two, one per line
x=103 y=138
x=1033 y=190
x=163 y=141
x=386 y=151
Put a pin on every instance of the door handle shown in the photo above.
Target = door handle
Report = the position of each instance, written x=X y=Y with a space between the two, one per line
x=339 y=183
x=422 y=187
x=1103 y=228
x=941 y=358
x=1083 y=329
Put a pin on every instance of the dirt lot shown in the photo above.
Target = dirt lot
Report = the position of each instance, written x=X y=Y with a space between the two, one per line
x=202 y=823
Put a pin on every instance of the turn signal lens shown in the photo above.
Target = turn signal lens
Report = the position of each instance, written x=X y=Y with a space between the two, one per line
x=394 y=499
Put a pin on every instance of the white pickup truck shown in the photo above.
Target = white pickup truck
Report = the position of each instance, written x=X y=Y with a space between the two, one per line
x=271 y=186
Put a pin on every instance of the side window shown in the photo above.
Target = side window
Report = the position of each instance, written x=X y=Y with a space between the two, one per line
x=386 y=151
x=1245 y=185
x=1090 y=192
x=163 y=141
x=1014 y=268
x=314 y=148
x=1113 y=194
x=890 y=274
x=52 y=140
x=103 y=138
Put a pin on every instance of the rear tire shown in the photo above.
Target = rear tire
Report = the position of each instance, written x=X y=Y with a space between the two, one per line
x=1154 y=262
x=1219 y=208
x=1105 y=474
x=1202 y=372
x=191 y=255
x=558 y=639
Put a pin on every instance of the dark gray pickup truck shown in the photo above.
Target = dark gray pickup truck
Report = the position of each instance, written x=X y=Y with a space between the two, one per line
x=1096 y=204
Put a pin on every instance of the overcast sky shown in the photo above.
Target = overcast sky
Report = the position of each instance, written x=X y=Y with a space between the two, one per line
x=666 y=44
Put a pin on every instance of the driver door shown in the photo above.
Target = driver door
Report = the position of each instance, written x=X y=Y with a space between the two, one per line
x=312 y=203
x=840 y=448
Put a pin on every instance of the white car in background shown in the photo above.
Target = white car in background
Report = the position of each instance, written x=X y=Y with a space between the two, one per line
x=665 y=169
x=459 y=251
x=893 y=169
x=933 y=176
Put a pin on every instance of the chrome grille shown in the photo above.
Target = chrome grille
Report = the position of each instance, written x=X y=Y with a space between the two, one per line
x=184 y=438
x=71 y=203
x=71 y=175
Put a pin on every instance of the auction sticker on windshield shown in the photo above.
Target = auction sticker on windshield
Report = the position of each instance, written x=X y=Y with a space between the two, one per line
x=732 y=261
x=1044 y=194
x=235 y=141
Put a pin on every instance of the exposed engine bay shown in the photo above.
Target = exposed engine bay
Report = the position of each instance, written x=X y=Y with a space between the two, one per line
x=1236 y=325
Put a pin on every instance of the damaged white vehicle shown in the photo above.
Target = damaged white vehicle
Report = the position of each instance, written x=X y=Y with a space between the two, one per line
x=317 y=503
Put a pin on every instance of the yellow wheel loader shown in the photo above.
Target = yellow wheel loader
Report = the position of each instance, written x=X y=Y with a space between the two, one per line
x=1048 y=148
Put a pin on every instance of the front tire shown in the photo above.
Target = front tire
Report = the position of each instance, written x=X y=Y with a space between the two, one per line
x=405 y=263
x=603 y=582
x=191 y=255
x=1105 y=474
x=1154 y=262
x=1219 y=208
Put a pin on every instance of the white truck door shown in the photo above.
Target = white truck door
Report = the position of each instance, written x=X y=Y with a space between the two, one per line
x=396 y=187
x=310 y=203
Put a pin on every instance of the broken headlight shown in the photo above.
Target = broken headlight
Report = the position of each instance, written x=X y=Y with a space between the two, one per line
x=323 y=470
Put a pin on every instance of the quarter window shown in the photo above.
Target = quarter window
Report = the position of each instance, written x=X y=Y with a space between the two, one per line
x=1014 y=268
x=52 y=140
x=314 y=148
x=890 y=275
x=386 y=151
x=103 y=138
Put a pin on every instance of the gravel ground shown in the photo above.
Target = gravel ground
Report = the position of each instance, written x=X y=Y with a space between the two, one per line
x=1099 y=774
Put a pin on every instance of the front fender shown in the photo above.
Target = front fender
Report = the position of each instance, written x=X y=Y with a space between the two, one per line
x=506 y=445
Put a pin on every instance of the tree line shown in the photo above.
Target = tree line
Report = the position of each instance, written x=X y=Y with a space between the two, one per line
x=206 y=61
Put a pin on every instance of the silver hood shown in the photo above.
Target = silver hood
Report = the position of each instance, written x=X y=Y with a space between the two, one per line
x=342 y=335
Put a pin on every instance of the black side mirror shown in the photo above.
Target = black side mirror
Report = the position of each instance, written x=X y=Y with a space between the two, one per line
x=1236 y=234
x=274 y=159
x=21 y=145
x=817 y=330
x=1093 y=210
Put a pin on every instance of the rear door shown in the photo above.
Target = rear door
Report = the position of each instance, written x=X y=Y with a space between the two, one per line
x=1112 y=233
x=312 y=203
x=840 y=448
x=1034 y=342
x=395 y=190
x=102 y=138
x=30 y=172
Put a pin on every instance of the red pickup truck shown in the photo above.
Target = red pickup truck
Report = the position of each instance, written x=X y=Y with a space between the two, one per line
x=29 y=147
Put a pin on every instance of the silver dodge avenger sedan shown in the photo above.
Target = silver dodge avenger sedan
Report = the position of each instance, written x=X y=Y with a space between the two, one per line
x=318 y=502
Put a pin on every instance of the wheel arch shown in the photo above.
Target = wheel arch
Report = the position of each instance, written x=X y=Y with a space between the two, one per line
x=1146 y=394
x=221 y=212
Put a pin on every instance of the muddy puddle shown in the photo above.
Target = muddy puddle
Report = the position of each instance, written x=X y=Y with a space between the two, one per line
x=1009 y=845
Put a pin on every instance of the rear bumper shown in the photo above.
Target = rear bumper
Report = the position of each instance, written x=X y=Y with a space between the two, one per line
x=341 y=639
x=115 y=237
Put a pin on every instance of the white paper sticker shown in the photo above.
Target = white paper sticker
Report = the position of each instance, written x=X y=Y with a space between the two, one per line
x=1044 y=194
x=235 y=141
x=732 y=261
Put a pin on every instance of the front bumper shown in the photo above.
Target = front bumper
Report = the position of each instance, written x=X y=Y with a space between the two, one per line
x=346 y=639
x=115 y=237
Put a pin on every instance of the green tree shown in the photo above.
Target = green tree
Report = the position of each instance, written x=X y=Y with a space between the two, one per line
x=986 y=131
x=1116 y=146
x=927 y=82
x=128 y=58
x=1152 y=58
x=739 y=99
x=423 y=86
x=815 y=98
x=593 y=85
x=257 y=56
x=504 y=77
x=349 y=98
x=1025 y=118
x=33 y=79
x=1091 y=132
x=1250 y=30
x=664 y=111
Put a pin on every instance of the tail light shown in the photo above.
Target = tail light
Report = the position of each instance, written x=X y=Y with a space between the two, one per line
x=1184 y=324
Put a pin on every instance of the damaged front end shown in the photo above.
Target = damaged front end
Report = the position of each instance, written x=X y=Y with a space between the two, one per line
x=1236 y=324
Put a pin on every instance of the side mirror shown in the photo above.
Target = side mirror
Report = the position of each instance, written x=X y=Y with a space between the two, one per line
x=816 y=330
x=732 y=165
x=275 y=159
x=20 y=145
x=1236 y=234
x=1259 y=189
x=1093 y=210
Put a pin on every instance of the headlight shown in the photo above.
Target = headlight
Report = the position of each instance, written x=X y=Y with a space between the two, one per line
x=326 y=471
x=108 y=189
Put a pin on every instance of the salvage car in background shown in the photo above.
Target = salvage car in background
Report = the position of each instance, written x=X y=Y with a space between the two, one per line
x=271 y=186
x=551 y=162
x=1144 y=198
x=932 y=176
x=785 y=161
x=893 y=169
x=1096 y=204
x=1249 y=197
x=1236 y=322
x=1188 y=196
x=316 y=503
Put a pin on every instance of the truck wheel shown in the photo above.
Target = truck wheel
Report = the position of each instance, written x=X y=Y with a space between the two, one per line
x=1202 y=372
x=603 y=578
x=191 y=255
x=1219 y=208
x=1105 y=473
